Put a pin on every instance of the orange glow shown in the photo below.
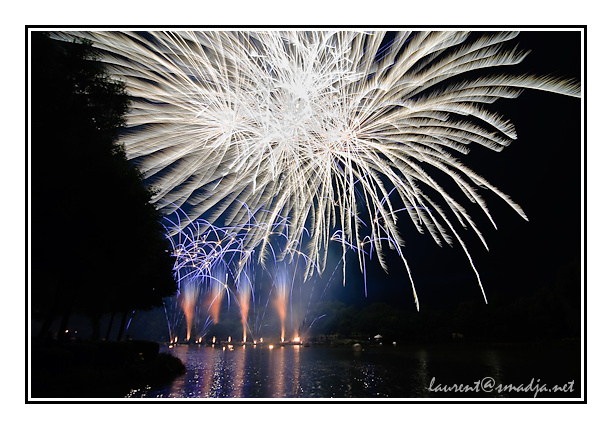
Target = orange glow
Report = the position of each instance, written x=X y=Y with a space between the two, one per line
x=281 y=305
x=271 y=346
x=214 y=305
x=188 y=300
x=217 y=290
x=189 y=321
x=243 y=301
x=296 y=339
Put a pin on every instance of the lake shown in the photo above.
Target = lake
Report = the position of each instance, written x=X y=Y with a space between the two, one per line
x=461 y=370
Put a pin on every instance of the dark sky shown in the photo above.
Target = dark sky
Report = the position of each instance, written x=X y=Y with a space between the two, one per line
x=541 y=171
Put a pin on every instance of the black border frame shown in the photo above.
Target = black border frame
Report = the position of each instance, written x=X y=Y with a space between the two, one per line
x=29 y=400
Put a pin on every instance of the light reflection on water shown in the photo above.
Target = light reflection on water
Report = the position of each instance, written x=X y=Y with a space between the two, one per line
x=375 y=372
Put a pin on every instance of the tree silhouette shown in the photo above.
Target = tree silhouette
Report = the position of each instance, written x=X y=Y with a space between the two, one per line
x=97 y=243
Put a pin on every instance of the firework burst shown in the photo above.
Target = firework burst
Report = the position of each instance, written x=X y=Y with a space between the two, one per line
x=317 y=129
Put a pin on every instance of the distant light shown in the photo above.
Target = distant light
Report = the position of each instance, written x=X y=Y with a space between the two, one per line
x=271 y=346
x=65 y=332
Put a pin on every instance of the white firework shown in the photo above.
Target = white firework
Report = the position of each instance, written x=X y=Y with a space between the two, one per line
x=317 y=128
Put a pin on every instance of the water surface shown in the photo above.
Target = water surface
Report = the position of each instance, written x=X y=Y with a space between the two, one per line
x=411 y=371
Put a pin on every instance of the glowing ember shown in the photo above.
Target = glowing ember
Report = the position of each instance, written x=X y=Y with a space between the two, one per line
x=282 y=295
x=188 y=298
x=244 y=290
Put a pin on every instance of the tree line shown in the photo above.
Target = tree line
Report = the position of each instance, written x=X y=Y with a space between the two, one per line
x=97 y=244
x=549 y=312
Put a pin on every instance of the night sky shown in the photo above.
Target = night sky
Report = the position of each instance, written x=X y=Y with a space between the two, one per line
x=540 y=171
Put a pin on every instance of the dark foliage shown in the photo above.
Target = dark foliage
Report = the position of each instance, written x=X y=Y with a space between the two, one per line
x=99 y=369
x=97 y=244
x=550 y=312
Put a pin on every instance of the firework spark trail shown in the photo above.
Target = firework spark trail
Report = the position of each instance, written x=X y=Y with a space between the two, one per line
x=209 y=259
x=244 y=291
x=217 y=289
x=199 y=245
x=281 y=285
x=188 y=299
x=203 y=253
x=295 y=124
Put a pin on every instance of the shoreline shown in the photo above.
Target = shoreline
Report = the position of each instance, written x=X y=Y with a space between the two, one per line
x=98 y=369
